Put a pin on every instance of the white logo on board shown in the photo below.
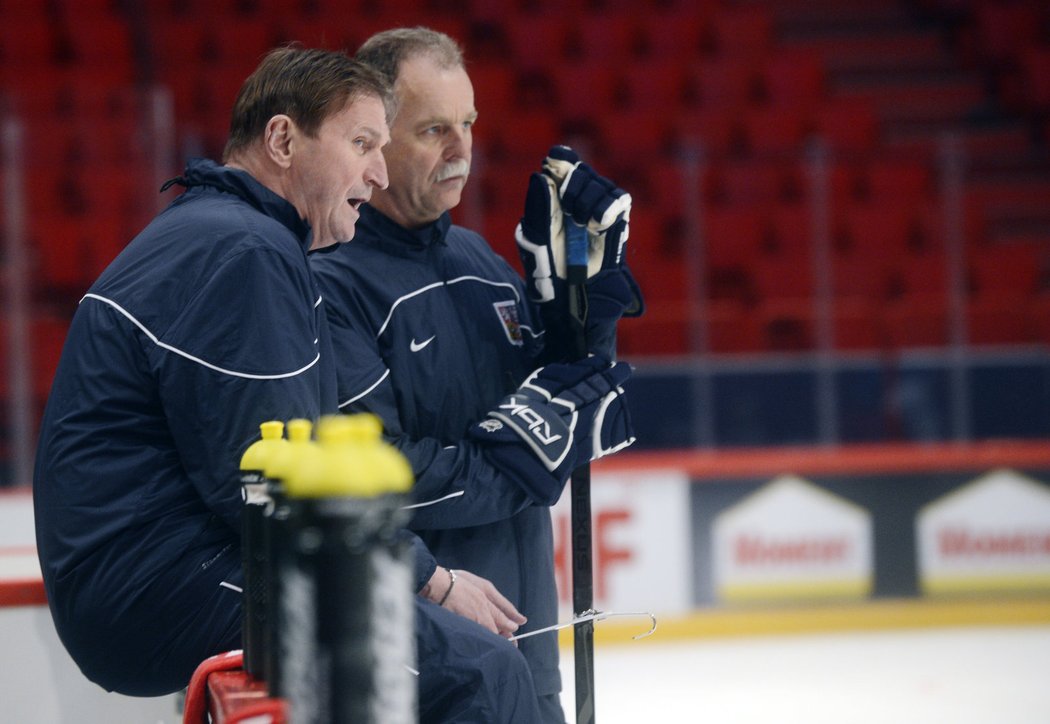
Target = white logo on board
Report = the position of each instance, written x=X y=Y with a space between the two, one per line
x=991 y=534
x=792 y=539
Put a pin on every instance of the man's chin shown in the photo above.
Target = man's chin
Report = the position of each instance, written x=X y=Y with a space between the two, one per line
x=451 y=195
x=345 y=234
x=348 y=227
x=348 y=233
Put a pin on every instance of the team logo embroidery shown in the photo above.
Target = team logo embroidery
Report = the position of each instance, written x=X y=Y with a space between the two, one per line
x=508 y=314
x=490 y=425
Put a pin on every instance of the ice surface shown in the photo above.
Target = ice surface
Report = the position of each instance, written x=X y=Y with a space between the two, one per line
x=957 y=676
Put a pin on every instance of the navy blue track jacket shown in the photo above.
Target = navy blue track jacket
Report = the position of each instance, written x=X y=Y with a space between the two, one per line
x=430 y=329
x=207 y=324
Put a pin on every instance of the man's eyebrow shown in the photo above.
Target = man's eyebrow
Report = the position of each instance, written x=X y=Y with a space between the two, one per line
x=432 y=121
x=443 y=120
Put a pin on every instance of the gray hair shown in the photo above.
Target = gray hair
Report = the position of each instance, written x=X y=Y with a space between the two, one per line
x=387 y=50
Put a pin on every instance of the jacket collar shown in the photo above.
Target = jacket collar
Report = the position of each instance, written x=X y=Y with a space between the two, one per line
x=385 y=230
x=204 y=172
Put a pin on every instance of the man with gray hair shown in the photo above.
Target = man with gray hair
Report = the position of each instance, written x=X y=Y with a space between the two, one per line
x=432 y=330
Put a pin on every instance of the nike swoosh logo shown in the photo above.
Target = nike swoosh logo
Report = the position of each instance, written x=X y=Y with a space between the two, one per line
x=416 y=346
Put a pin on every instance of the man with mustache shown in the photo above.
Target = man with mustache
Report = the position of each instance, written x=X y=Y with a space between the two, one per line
x=431 y=329
x=207 y=324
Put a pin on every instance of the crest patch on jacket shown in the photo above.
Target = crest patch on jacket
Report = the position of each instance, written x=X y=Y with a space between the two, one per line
x=508 y=315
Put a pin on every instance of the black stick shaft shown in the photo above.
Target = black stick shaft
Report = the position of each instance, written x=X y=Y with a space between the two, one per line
x=582 y=563
x=582 y=593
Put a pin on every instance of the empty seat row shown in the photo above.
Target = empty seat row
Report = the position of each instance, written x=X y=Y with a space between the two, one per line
x=703 y=77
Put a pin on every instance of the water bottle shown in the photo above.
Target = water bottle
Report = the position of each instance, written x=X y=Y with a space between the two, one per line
x=254 y=555
x=348 y=592
x=299 y=446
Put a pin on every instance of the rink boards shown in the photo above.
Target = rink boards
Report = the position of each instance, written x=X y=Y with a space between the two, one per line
x=754 y=541
x=888 y=534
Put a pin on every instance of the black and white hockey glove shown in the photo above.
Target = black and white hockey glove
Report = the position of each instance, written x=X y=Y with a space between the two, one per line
x=562 y=416
x=570 y=193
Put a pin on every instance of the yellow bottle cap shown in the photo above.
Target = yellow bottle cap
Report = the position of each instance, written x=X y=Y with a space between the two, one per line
x=255 y=457
x=357 y=460
x=281 y=462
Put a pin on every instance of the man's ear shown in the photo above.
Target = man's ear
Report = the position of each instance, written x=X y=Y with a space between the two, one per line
x=277 y=140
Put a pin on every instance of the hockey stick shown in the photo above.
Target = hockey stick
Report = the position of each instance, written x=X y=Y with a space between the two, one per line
x=593 y=616
x=582 y=564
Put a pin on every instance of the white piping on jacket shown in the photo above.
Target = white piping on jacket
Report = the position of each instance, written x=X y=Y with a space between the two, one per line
x=187 y=355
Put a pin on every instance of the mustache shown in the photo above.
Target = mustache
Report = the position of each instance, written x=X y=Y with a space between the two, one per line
x=455 y=168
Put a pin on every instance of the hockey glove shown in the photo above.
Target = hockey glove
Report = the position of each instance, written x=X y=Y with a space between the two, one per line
x=562 y=416
x=570 y=192
x=594 y=202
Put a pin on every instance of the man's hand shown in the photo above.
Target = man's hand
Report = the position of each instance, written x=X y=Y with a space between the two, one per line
x=475 y=598
x=562 y=415
x=569 y=192
x=592 y=201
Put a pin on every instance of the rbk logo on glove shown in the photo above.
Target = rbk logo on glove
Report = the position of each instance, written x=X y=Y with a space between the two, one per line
x=538 y=426
x=561 y=416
